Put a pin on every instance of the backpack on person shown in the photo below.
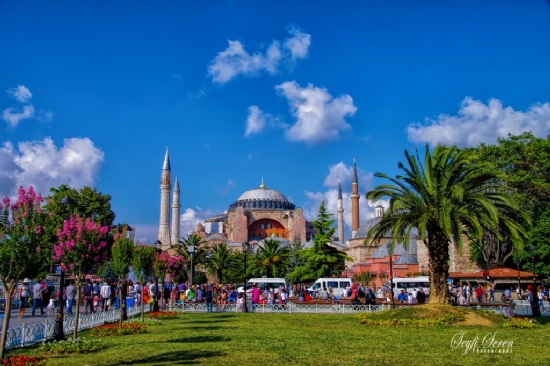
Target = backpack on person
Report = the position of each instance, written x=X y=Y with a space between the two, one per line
x=360 y=293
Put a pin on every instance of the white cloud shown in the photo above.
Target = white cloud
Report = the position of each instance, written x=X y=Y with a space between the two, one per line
x=21 y=93
x=43 y=165
x=235 y=60
x=344 y=173
x=477 y=122
x=258 y=120
x=319 y=116
x=191 y=217
x=13 y=117
x=255 y=121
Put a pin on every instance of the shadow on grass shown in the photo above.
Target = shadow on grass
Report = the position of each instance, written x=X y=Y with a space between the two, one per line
x=199 y=339
x=173 y=358
x=210 y=328
x=206 y=321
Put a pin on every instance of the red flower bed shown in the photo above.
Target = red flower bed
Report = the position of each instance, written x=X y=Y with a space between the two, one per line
x=163 y=315
x=24 y=361
x=116 y=329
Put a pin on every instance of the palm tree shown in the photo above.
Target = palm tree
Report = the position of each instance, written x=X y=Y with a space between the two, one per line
x=452 y=194
x=218 y=260
x=200 y=254
x=272 y=256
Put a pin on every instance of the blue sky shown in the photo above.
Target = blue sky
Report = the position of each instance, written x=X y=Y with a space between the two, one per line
x=92 y=93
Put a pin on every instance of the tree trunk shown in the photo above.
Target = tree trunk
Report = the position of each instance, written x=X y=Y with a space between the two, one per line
x=122 y=301
x=77 y=314
x=9 y=290
x=438 y=249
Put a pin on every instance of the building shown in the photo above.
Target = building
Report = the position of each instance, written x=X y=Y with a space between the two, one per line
x=257 y=214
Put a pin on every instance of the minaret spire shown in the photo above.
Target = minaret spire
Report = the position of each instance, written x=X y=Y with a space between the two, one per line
x=262 y=185
x=165 y=187
x=354 y=202
x=340 y=211
x=176 y=212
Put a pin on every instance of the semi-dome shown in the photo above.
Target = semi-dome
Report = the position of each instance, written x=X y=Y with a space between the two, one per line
x=262 y=198
x=407 y=259
x=364 y=229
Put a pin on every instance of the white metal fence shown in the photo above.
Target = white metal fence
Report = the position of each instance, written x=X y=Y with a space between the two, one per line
x=36 y=333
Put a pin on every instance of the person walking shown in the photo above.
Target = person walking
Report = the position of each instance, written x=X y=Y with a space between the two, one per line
x=37 y=294
x=88 y=299
x=23 y=295
x=70 y=292
x=105 y=296
x=209 y=298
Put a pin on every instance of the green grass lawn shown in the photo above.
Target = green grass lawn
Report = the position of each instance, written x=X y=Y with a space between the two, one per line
x=304 y=339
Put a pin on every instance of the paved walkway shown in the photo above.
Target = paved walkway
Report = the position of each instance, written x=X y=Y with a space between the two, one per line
x=28 y=319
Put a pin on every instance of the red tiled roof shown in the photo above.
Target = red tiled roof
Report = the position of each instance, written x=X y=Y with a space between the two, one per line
x=494 y=273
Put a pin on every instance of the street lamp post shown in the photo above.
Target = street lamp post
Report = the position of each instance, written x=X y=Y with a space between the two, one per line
x=59 y=333
x=158 y=245
x=390 y=252
x=191 y=250
x=246 y=247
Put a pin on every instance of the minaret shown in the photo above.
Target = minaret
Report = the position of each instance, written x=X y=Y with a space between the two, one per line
x=340 y=211
x=176 y=212
x=354 y=202
x=165 y=186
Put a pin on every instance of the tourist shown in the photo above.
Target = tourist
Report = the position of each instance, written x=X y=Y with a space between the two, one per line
x=190 y=294
x=540 y=295
x=105 y=296
x=152 y=295
x=389 y=297
x=23 y=296
x=70 y=292
x=479 y=293
x=410 y=299
x=284 y=297
x=37 y=293
x=402 y=297
x=88 y=303
x=51 y=305
x=491 y=294
x=209 y=298
x=533 y=300
x=255 y=296
x=420 y=296
x=518 y=293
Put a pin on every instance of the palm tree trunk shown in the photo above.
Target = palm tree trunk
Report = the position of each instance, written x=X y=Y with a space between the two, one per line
x=141 y=298
x=438 y=249
x=10 y=290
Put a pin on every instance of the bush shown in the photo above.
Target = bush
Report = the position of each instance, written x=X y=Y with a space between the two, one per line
x=116 y=329
x=520 y=322
x=24 y=361
x=68 y=347
x=146 y=321
x=163 y=315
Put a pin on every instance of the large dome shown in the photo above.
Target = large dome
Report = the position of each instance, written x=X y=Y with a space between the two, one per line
x=262 y=194
x=263 y=198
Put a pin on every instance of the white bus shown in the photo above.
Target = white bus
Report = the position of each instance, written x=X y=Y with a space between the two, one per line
x=409 y=284
x=263 y=284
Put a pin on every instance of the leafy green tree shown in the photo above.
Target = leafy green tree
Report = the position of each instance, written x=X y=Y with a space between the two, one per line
x=20 y=238
x=87 y=202
x=219 y=260
x=272 y=255
x=452 y=192
x=142 y=263
x=321 y=259
x=525 y=162
x=122 y=252
x=294 y=260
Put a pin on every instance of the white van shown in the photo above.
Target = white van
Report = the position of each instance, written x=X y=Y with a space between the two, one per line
x=264 y=283
x=338 y=285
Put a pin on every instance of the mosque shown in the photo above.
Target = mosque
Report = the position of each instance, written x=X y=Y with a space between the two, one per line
x=262 y=213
